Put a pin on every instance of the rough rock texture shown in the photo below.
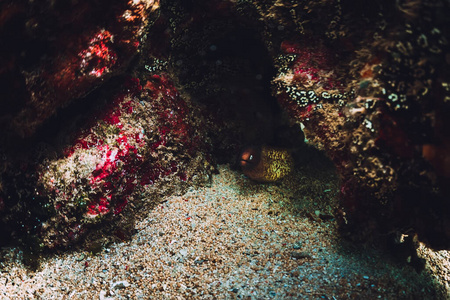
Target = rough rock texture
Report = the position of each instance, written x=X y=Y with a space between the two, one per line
x=147 y=141
x=54 y=52
x=367 y=82
x=373 y=98
x=149 y=135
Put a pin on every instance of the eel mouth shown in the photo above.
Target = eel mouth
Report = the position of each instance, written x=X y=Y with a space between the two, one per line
x=249 y=157
x=244 y=163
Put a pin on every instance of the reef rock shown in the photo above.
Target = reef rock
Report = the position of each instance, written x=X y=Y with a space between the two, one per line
x=367 y=81
x=146 y=141
x=370 y=89
x=55 y=52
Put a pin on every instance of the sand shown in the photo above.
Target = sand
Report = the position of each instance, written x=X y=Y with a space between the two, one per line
x=232 y=239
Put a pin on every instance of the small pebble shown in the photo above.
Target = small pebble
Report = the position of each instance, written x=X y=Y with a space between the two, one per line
x=297 y=246
x=120 y=285
x=299 y=255
x=102 y=296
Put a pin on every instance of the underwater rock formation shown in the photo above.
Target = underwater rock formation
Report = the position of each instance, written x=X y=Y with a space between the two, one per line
x=372 y=97
x=146 y=142
x=367 y=82
x=54 y=52
x=146 y=137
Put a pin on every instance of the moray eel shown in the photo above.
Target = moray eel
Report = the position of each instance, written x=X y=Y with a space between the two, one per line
x=266 y=164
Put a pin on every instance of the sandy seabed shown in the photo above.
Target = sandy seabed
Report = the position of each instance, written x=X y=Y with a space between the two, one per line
x=232 y=239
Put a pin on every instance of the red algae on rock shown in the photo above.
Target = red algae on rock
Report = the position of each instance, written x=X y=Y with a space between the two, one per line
x=146 y=134
x=63 y=51
x=368 y=83
x=98 y=57
x=371 y=100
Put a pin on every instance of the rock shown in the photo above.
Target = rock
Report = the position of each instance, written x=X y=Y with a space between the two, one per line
x=120 y=285
x=299 y=255
x=144 y=135
x=215 y=76
x=56 y=53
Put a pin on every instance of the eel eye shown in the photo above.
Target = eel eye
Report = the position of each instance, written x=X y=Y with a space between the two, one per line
x=251 y=157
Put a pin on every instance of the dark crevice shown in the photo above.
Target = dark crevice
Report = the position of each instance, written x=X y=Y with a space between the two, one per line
x=223 y=63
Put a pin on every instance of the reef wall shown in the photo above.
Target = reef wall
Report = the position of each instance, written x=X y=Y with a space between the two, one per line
x=369 y=84
x=106 y=106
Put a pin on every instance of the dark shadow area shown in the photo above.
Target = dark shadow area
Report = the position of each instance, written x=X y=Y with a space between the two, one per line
x=222 y=62
x=59 y=130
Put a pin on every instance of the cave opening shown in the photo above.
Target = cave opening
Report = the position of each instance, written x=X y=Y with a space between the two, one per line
x=221 y=60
